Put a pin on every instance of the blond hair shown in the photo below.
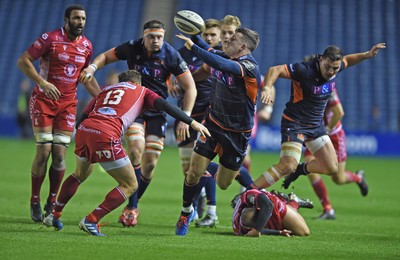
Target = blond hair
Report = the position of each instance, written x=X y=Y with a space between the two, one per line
x=231 y=20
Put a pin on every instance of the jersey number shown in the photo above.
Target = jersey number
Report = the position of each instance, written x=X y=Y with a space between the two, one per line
x=116 y=97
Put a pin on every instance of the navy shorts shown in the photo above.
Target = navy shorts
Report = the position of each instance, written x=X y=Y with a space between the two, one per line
x=294 y=132
x=155 y=123
x=230 y=146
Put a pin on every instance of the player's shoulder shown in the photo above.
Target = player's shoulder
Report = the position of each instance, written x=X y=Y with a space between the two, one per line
x=248 y=60
x=304 y=68
x=55 y=35
x=85 y=42
x=167 y=48
x=134 y=43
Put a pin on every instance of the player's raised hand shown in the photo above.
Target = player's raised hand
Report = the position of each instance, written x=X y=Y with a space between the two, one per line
x=266 y=96
x=188 y=42
x=375 y=49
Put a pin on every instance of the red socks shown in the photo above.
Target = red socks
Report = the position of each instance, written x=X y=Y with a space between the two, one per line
x=113 y=200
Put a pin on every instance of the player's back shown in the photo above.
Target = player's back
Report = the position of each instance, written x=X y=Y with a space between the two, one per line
x=116 y=107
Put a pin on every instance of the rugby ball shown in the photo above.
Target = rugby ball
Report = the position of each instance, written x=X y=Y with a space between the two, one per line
x=189 y=22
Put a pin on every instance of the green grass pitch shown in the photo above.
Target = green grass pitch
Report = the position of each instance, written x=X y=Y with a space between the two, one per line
x=366 y=228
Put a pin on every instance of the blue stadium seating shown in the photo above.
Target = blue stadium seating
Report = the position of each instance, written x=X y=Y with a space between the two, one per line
x=291 y=29
x=288 y=31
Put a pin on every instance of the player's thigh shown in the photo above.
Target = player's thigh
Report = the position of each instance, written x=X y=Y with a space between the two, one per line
x=295 y=222
x=134 y=138
x=326 y=156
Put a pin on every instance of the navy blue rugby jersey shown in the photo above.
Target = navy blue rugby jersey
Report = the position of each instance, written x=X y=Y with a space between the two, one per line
x=309 y=93
x=203 y=87
x=157 y=68
x=235 y=97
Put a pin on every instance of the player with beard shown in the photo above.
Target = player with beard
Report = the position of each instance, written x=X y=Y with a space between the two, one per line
x=63 y=53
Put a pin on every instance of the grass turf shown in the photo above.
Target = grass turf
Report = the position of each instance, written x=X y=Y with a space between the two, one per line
x=365 y=227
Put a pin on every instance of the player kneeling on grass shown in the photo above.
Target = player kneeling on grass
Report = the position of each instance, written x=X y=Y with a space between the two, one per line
x=98 y=139
x=262 y=212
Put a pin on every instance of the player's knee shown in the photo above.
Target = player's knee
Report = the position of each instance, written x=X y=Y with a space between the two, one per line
x=62 y=139
x=44 y=138
x=223 y=185
x=135 y=154
x=305 y=232
x=191 y=177
x=154 y=145
x=149 y=167
x=339 y=178
x=286 y=166
x=58 y=161
x=332 y=168
x=131 y=187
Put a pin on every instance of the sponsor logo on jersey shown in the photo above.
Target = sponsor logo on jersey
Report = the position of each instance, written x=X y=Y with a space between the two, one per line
x=80 y=59
x=80 y=50
x=45 y=36
x=193 y=68
x=183 y=66
x=227 y=79
x=248 y=64
x=107 y=111
x=151 y=72
x=70 y=70
x=70 y=116
x=327 y=88
x=85 y=43
x=37 y=44
x=63 y=56
x=70 y=123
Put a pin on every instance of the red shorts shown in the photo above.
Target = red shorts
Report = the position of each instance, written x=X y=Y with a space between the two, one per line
x=339 y=143
x=97 y=146
x=58 y=114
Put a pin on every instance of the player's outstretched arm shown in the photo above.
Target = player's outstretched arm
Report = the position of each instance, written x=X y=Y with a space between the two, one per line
x=162 y=105
x=99 y=62
x=92 y=87
x=355 y=58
